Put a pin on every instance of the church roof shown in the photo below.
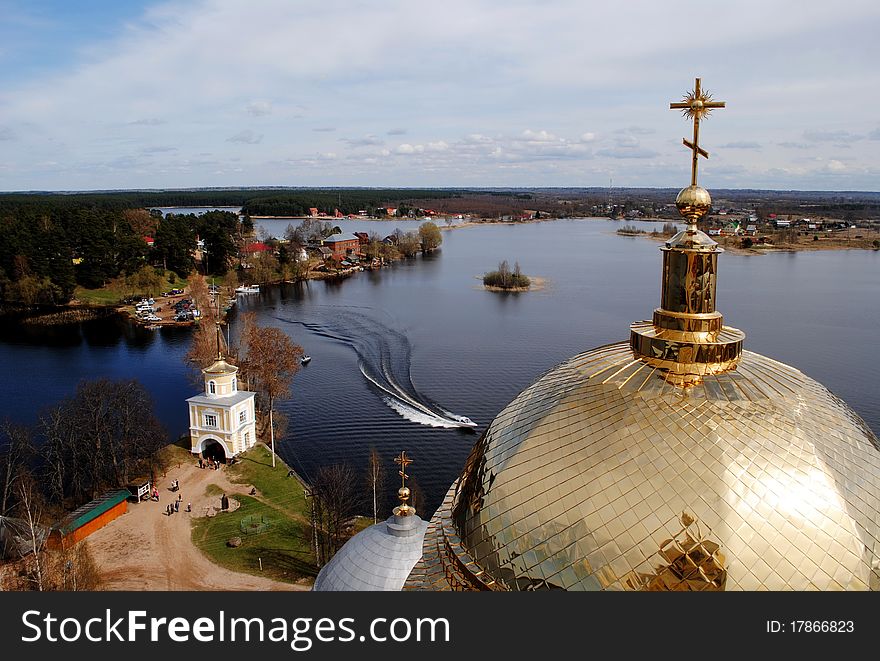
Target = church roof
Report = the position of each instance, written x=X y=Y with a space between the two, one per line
x=220 y=367
x=377 y=558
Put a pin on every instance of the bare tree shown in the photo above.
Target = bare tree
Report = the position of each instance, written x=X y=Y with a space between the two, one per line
x=409 y=244
x=72 y=569
x=18 y=449
x=31 y=511
x=98 y=439
x=271 y=361
x=375 y=481
x=335 y=499
x=504 y=273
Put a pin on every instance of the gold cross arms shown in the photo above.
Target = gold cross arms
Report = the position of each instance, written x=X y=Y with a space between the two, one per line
x=404 y=461
x=696 y=105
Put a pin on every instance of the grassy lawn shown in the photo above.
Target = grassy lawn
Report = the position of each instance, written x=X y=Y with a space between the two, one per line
x=96 y=296
x=106 y=296
x=285 y=548
x=273 y=485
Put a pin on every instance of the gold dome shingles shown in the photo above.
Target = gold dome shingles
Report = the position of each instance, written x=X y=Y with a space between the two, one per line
x=599 y=472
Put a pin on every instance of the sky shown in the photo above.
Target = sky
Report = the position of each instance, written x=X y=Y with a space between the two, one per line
x=100 y=94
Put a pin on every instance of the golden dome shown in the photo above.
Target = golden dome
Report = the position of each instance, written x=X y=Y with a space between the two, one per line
x=220 y=366
x=603 y=475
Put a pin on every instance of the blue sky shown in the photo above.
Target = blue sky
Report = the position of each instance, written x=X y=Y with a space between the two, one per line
x=98 y=95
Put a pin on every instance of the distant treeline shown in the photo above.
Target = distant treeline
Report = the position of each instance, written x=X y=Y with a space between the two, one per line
x=346 y=201
x=258 y=202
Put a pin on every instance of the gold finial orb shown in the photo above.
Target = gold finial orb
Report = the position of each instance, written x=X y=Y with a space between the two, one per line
x=693 y=203
x=403 y=493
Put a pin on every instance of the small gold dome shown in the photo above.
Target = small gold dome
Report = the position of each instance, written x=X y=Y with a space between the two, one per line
x=693 y=203
x=220 y=367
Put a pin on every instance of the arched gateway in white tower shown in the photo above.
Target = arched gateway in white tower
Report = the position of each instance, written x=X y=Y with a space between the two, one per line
x=221 y=420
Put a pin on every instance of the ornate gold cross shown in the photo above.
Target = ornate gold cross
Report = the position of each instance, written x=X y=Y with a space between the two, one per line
x=404 y=461
x=696 y=105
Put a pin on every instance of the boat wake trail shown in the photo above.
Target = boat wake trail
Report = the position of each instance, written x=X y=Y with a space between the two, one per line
x=384 y=356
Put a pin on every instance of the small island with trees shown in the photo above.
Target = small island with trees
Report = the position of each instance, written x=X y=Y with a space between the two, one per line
x=503 y=279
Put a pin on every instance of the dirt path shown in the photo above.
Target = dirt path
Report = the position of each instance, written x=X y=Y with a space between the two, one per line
x=145 y=549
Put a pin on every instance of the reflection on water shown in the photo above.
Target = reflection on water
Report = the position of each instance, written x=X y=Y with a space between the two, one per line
x=427 y=335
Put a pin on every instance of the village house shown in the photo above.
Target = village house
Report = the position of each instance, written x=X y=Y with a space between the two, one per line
x=313 y=212
x=256 y=247
x=342 y=245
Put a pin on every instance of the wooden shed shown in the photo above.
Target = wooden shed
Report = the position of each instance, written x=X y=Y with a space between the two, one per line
x=85 y=520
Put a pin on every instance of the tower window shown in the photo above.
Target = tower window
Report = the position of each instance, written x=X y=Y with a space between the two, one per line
x=247 y=438
x=212 y=388
x=242 y=416
x=210 y=420
x=234 y=384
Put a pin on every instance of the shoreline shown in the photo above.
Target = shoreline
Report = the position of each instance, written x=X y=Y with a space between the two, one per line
x=764 y=249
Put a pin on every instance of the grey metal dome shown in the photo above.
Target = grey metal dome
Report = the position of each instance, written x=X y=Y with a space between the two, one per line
x=378 y=558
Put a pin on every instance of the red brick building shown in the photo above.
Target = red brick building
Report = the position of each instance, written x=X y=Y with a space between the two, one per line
x=342 y=245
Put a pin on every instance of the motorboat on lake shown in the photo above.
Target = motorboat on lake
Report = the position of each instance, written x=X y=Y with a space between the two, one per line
x=464 y=421
x=305 y=360
x=248 y=289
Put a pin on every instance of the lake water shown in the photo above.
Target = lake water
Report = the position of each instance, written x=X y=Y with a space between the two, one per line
x=398 y=352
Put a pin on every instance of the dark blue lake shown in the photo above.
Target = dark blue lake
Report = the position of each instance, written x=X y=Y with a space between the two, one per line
x=398 y=351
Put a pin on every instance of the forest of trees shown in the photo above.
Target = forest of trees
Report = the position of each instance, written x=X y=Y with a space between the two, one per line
x=52 y=244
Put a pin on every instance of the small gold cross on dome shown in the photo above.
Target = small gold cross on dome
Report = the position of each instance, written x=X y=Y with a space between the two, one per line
x=404 y=461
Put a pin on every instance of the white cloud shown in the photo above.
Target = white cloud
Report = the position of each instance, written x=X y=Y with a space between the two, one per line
x=538 y=136
x=247 y=137
x=259 y=108
x=835 y=166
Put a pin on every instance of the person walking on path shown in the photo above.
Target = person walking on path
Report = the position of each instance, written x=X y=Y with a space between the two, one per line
x=176 y=505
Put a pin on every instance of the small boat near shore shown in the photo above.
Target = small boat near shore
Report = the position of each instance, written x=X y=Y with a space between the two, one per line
x=248 y=289
x=305 y=360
